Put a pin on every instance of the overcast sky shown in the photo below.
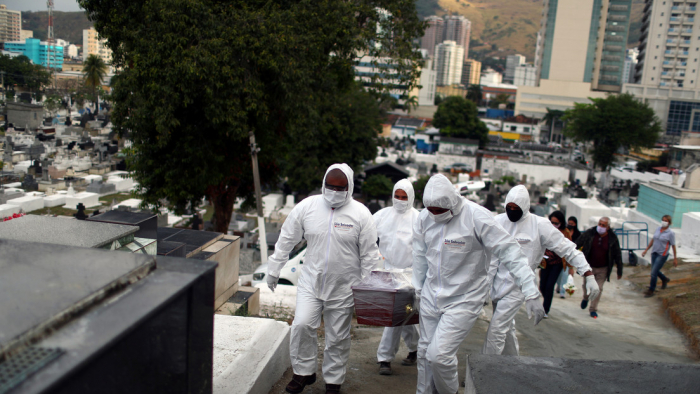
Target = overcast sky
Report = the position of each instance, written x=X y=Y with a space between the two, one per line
x=40 y=5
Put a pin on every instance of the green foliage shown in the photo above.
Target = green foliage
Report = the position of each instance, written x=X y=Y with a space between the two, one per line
x=505 y=179
x=21 y=72
x=52 y=103
x=347 y=133
x=378 y=186
x=419 y=187
x=438 y=99
x=474 y=94
x=613 y=122
x=94 y=72
x=457 y=117
x=220 y=69
x=67 y=25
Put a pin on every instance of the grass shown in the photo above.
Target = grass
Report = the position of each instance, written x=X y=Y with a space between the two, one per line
x=60 y=211
x=117 y=196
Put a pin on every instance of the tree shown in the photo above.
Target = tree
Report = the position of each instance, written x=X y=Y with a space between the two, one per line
x=457 y=117
x=611 y=123
x=52 y=103
x=474 y=94
x=410 y=104
x=378 y=186
x=220 y=69
x=21 y=72
x=347 y=134
x=94 y=72
x=419 y=187
x=552 y=116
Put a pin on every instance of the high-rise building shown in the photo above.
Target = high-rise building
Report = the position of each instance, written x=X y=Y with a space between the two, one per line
x=24 y=34
x=433 y=34
x=512 y=61
x=580 y=54
x=449 y=63
x=525 y=75
x=458 y=29
x=94 y=45
x=471 y=72
x=10 y=24
x=630 y=65
x=39 y=52
x=668 y=67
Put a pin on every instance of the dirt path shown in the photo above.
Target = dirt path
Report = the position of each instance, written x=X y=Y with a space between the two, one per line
x=629 y=327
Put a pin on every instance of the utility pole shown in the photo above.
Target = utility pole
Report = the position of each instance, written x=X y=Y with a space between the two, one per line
x=258 y=198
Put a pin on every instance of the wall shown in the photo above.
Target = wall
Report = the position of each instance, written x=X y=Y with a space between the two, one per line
x=690 y=232
x=23 y=116
x=655 y=203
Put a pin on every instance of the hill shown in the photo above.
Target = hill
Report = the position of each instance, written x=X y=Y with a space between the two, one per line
x=503 y=27
x=66 y=25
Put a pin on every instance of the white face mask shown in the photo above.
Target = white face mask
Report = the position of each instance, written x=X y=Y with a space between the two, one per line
x=601 y=230
x=664 y=224
x=334 y=198
x=400 y=205
x=443 y=217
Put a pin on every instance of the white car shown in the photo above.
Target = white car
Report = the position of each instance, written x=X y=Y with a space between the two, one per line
x=290 y=273
x=467 y=187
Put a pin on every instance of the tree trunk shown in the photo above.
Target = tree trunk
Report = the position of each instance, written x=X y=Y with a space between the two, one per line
x=222 y=196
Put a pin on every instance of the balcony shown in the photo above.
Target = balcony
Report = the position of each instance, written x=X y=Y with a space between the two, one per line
x=675 y=19
x=683 y=53
x=666 y=74
x=671 y=52
x=685 y=42
x=688 y=21
x=679 y=74
x=673 y=31
x=672 y=41
x=687 y=31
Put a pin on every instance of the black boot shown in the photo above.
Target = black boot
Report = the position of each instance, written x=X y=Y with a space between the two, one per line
x=298 y=383
x=411 y=359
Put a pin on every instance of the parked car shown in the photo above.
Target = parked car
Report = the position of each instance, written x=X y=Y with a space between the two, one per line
x=290 y=273
x=458 y=167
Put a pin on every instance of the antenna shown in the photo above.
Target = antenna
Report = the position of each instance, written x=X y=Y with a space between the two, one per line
x=50 y=40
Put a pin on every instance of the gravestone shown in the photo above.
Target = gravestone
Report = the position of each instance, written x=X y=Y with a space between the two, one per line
x=101 y=188
x=30 y=184
x=80 y=215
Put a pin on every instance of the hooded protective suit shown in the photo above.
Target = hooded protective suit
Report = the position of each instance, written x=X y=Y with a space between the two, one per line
x=395 y=231
x=450 y=268
x=535 y=234
x=342 y=248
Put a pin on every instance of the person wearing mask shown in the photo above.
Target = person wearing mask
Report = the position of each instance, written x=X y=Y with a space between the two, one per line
x=572 y=226
x=664 y=239
x=535 y=234
x=342 y=249
x=602 y=249
x=395 y=231
x=453 y=239
x=553 y=264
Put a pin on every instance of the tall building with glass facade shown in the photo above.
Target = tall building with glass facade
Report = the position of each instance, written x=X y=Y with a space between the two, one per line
x=580 y=54
x=668 y=66
x=434 y=32
x=449 y=63
x=39 y=52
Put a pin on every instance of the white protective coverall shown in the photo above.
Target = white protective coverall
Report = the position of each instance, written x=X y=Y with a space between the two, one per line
x=342 y=248
x=535 y=234
x=395 y=231
x=450 y=269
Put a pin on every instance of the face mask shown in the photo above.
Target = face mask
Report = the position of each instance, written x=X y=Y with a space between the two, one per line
x=601 y=230
x=570 y=227
x=556 y=225
x=514 y=214
x=664 y=224
x=333 y=198
x=442 y=218
x=400 y=205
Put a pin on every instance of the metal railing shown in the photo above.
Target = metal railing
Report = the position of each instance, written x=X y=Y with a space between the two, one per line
x=631 y=237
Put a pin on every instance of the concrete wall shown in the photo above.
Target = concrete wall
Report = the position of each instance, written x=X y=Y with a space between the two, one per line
x=690 y=232
x=655 y=203
x=24 y=115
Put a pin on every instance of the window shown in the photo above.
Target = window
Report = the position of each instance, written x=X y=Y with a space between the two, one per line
x=513 y=128
x=652 y=78
x=655 y=57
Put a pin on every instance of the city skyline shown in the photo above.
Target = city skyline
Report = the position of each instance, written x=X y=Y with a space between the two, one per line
x=40 y=5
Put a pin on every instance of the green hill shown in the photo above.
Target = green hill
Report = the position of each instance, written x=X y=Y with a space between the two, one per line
x=66 y=25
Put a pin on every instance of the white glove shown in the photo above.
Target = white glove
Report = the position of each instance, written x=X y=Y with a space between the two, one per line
x=591 y=287
x=535 y=308
x=416 y=303
x=272 y=282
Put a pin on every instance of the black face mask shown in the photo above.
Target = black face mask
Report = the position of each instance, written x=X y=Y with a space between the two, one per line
x=570 y=227
x=514 y=214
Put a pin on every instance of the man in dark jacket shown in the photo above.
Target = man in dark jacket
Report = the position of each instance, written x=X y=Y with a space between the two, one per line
x=602 y=249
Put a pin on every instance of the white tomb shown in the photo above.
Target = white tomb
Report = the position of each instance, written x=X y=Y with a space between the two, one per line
x=28 y=203
x=54 y=200
x=8 y=210
x=89 y=200
x=121 y=184
x=584 y=209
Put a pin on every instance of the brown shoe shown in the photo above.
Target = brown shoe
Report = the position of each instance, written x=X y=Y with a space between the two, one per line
x=298 y=383
x=411 y=359
x=384 y=368
x=332 y=389
x=648 y=293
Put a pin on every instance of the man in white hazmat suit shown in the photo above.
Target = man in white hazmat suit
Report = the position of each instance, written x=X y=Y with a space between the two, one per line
x=535 y=234
x=395 y=231
x=342 y=248
x=453 y=241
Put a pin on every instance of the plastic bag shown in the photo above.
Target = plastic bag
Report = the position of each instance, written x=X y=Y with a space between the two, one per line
x=569 y=286
x=385 y=298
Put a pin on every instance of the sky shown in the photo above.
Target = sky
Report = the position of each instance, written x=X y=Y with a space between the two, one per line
x=40 y=5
